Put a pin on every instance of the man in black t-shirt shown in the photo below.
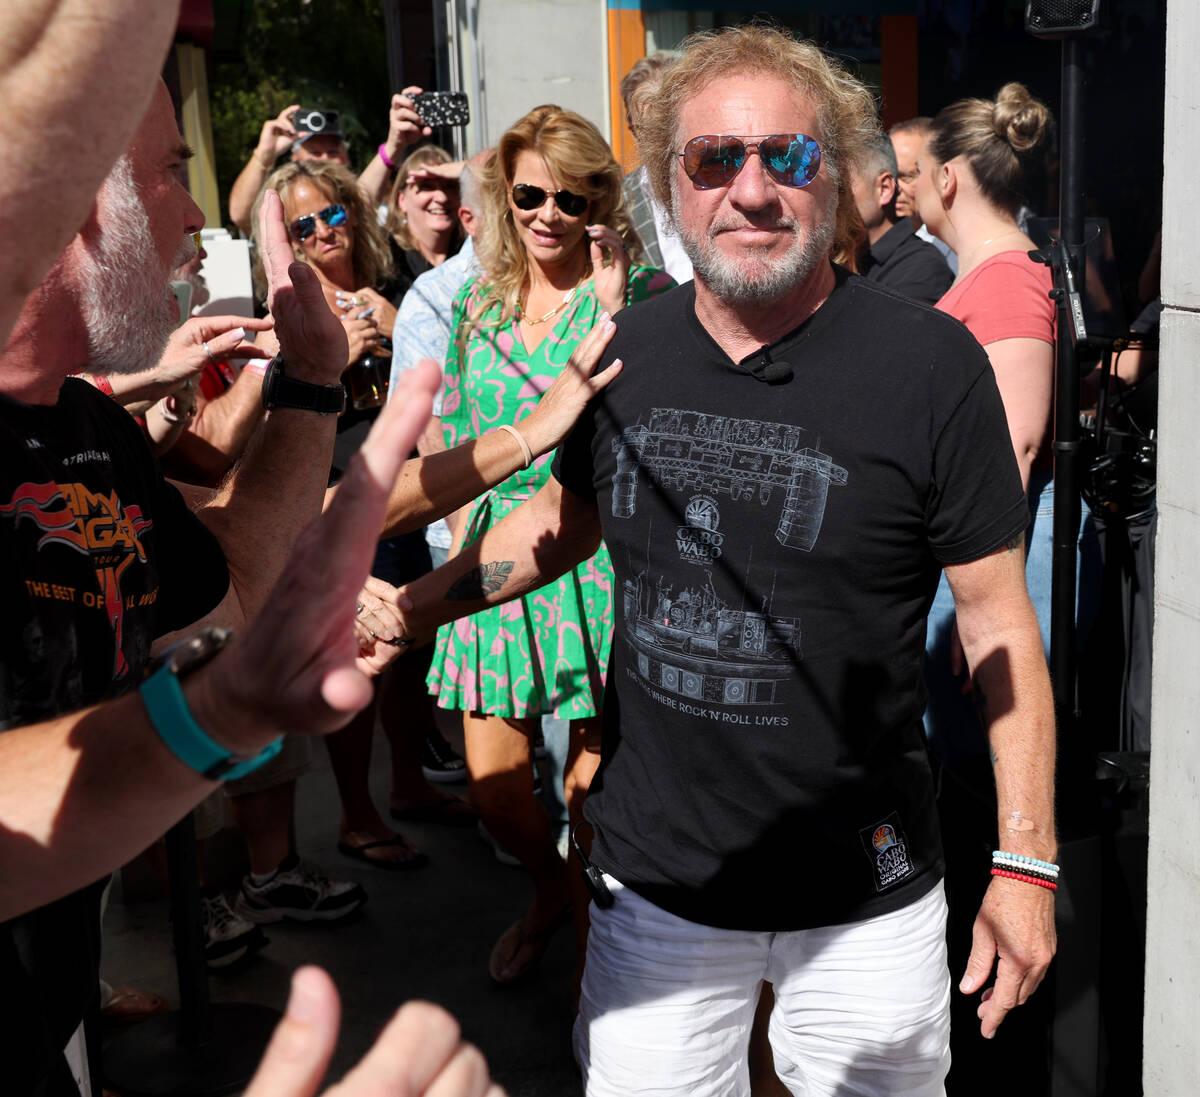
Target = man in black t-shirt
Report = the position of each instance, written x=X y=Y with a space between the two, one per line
x=102 y=558
x=786 y=463
x=894 y=255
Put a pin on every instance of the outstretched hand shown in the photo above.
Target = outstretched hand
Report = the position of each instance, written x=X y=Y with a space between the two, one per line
x=297 y=668
x=204 y=339
x=563 y=402
x=189 y=349
x=419 y=1052
x=1016 y=925
x=310 y=338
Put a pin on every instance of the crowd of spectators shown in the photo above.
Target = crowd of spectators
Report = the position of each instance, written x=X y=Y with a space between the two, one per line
x=430 y=332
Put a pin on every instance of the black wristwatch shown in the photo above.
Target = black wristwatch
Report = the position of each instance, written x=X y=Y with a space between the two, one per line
x=281 y=391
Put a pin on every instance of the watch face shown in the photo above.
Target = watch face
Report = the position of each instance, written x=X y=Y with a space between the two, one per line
x=269 y=382
x=195 y=651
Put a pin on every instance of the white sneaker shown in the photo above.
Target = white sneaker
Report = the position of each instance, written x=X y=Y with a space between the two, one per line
x=227 y=937
x=300 y=892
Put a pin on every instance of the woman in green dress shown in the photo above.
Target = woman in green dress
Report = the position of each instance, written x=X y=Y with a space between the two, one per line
x=558 y=252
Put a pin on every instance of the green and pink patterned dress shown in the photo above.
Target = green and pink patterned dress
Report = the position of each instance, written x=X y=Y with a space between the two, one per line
x=547 y=652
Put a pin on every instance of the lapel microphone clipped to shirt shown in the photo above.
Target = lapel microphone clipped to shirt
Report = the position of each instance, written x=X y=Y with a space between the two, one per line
x=763 y=368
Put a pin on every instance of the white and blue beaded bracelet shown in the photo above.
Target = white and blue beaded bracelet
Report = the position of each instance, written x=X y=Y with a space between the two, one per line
x=1018 y=860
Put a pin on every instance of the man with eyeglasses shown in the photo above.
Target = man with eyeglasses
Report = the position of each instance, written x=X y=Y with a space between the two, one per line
x=893 y=255
x=788 y=459
x=104 y=559
x=907 y=138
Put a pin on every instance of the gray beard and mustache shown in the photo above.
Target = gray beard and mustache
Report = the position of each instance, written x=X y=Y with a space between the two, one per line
x=125 y=302
x=754 y=276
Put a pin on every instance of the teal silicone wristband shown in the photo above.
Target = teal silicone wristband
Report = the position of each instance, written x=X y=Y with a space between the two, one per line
x=183 y=737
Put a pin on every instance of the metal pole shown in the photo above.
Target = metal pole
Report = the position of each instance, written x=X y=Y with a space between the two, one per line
x=1066 y=426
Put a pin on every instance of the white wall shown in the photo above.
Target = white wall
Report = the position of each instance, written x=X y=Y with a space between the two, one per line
x=542 y=51
x=1172 y=1027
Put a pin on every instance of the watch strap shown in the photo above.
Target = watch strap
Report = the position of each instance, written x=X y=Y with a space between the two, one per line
x=187 y=740
x=281 y=391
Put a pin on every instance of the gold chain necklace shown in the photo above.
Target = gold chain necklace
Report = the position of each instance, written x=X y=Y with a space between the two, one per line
x=567 y=298
x=523 y=319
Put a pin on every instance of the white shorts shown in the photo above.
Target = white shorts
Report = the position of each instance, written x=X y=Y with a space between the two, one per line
x=861 y=1010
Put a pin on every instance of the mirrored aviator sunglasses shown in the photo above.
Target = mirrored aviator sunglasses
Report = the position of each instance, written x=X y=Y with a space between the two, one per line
x=714 y=160
x=528 y=197
x=303 y=227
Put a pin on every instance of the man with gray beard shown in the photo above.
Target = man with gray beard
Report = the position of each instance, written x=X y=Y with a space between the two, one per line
x=104 y=559
x=787 y=461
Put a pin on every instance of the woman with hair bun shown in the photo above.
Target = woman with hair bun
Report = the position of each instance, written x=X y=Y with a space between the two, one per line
x=973 y=169
x=559 y=253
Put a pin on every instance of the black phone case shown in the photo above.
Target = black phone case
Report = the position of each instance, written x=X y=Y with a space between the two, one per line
x=443 y=108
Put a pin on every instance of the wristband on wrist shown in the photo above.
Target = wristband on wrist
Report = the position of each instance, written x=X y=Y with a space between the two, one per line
x=172 y=719
x=101 y=381
x=387 y=160
x=526 y=452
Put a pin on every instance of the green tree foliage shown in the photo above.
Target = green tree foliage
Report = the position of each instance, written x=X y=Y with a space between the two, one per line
x=330 y=54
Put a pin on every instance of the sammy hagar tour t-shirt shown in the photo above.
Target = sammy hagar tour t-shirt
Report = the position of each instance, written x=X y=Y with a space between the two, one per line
x=776 y=548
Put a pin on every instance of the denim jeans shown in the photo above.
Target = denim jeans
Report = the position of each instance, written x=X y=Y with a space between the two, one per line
x=951 y=724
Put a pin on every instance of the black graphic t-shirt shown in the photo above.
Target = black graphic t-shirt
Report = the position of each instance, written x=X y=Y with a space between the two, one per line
x=776 y=548
x=98 y=556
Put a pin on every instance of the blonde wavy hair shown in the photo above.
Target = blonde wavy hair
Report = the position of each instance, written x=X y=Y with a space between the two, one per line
x=847 y=118
x=579 y=160
x=371 y=255
x=397 y=222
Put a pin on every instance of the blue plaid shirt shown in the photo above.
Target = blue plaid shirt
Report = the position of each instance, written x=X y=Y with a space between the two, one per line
x=423 y=321
x=423 y=331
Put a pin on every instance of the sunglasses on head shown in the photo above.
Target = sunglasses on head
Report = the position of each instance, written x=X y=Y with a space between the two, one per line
x=303 y=227
x=714 y=160
x=528 y=197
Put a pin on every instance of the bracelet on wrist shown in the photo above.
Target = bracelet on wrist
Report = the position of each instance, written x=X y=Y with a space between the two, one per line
x=1025 y=878
x=526 y=452
x=101 y=381
x=1019 y=861
x=388 y=162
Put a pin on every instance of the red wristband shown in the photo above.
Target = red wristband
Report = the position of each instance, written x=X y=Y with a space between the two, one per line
x=101 y=382
x=387 y=161
x=1024 y=879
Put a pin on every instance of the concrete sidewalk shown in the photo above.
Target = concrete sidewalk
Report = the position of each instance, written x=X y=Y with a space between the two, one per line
x=422 y=934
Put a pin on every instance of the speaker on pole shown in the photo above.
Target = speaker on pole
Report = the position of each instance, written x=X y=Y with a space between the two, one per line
x=1061 y=18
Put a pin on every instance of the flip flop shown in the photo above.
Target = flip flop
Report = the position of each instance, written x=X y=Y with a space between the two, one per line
x=447 y=812
x=128 y=1005
x=359 y=853
x=501 y=964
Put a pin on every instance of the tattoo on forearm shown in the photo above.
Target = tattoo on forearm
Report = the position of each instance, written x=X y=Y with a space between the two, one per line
x=993 y=756
x=1017 y=542
x=480 y=582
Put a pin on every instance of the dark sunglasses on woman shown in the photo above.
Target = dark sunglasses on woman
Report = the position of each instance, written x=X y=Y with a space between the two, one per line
x=528 y=197
x=714 y=160
x=303 y=227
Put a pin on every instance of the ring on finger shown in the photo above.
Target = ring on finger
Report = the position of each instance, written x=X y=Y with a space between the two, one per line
x=358 y=608
x=209 y=352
